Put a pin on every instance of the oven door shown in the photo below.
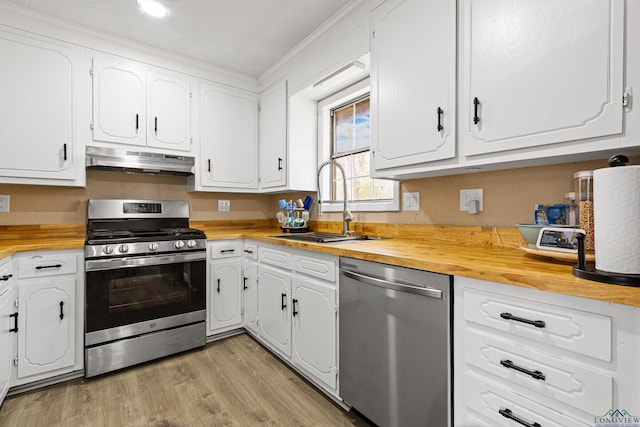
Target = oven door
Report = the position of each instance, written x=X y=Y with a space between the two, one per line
x=135 y=295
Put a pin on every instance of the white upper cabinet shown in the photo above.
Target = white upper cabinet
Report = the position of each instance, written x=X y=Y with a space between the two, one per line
x=537 y=73
x=228 y=138
x=137 y=106
x=40 y=120
x=169 y=112
x=273 y=136
x=413 y=54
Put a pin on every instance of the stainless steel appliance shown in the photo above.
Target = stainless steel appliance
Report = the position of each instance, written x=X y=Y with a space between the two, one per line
x=395 y=343
x=145 y=293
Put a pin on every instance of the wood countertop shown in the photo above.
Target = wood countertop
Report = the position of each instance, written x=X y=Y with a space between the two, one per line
x=502 y=263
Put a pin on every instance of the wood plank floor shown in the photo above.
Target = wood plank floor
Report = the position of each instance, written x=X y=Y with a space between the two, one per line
x=232 y=382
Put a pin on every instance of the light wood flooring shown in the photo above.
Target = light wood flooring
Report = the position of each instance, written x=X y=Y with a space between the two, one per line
x=232 y=382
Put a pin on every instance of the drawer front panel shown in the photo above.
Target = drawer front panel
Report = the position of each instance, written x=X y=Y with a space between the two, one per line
x=250 y=251
x=5 y=274
x=225 y=249
x=321 y=268
x=578 y=331
x=560 y=378
x=498 y=407
x=47 y=265
x=275 y=257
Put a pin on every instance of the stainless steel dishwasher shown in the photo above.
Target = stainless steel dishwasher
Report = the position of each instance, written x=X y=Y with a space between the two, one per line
x=395 y=343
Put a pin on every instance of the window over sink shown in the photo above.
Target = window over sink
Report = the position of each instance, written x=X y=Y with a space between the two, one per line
x=344 y=136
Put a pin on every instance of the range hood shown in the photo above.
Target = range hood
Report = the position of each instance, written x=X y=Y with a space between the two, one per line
x=113 y=160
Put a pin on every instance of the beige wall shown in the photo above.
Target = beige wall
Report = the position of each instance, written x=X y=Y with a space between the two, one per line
x=509 y=197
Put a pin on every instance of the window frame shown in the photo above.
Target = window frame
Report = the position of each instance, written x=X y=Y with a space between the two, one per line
x=342 y=97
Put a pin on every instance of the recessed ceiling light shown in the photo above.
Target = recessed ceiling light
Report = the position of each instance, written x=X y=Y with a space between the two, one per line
x=153 y=8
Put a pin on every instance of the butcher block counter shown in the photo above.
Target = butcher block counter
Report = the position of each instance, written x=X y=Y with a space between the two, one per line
x=486 y=253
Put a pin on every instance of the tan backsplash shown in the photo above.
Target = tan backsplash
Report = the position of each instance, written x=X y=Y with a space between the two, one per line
x=509 y=198
x=34 y=204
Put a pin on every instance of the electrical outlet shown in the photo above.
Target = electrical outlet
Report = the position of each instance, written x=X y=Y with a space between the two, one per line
x=468 y=195
x=224 y=205
x=411 y=201
x=4 y=203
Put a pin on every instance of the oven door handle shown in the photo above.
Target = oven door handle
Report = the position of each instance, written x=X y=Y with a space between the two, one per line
x=145 y=261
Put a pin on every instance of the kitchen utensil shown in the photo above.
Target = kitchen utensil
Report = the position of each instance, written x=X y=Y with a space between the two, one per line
x=307 y=202
x=280 y=217
x=299 y=203
x=305 y=216
x=282 y=204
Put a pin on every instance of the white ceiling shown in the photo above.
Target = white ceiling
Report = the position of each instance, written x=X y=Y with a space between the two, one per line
x=242 y=35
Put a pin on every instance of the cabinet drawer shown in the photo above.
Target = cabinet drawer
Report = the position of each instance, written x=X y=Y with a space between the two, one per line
x=315 y=266
x=250 y=251
x=275 y=257
x=47 y=265
x=561 y=379
x=225 y=249
x=489 y=402
x=577 y=331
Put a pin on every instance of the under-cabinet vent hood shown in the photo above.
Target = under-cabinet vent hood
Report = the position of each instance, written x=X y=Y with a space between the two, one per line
x=108 y=159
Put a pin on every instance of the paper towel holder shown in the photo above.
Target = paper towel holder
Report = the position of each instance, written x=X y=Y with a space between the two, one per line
x=589 y=271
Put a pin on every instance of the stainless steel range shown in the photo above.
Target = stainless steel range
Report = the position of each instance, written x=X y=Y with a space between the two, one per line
x=145 y=294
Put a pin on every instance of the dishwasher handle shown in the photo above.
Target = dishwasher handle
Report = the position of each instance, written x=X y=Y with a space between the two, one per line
x=402 y=287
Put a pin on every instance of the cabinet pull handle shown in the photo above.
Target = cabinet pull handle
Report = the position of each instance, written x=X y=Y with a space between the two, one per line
x=226 y=251
x=5 y=278
x=294 y=302
x=536 y=323
x=64 y=152
x=244 y=283
x=155 y=125
x=279 y=163
x=283 y=302
x=42 y=267
x=218 y=285
x=440 y=113
x=208 y=165
x=533 y=374
x=248 y=251
x=476 y=102
x=137 y=122
x=15 y=322
x=507 y=413
x=61 y=310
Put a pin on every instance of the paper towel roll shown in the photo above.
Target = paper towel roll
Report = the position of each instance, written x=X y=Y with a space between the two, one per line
x=616 y=198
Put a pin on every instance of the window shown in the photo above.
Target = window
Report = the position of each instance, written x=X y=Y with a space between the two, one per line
x=345 y=131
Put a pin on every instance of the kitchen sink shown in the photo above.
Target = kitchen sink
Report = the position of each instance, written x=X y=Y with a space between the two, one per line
x=316 y=237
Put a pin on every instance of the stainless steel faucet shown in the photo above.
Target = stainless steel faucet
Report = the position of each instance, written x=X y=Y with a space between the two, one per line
x=347 y=216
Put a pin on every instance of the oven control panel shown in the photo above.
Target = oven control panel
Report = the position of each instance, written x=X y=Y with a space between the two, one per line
x=140 y=248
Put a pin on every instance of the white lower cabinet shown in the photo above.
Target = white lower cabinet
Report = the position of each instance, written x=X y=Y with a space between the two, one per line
x=314 y=311
x=7 y=326
x=49 y=287
x=250 y=287
x=529 y=357
x=224 y=302
x=297 y=310
x=46 y=326
x=274 y=308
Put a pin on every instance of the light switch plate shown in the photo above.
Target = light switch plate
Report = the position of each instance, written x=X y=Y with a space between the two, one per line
x=411 y=201
x=4 y=203
x=224 y=205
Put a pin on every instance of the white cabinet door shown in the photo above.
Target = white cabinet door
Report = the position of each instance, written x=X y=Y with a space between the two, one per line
x=119 y=101
x=314 y=329
x=273 y=136
x=46 y=339
x=224 y=295
x=7 y=309
x=274 y=308
x=413 y=49
x=250 y=296
x=40 y=107
x=542 y=72
x=229 y=138
x=169 y=112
